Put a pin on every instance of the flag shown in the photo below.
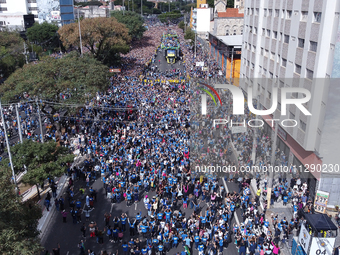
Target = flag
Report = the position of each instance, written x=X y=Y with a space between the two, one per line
x=187 y=250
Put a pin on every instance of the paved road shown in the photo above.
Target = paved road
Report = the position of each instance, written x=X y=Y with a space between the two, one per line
x=69 y=234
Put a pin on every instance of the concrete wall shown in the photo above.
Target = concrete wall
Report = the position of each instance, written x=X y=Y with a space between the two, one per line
x=222 y=25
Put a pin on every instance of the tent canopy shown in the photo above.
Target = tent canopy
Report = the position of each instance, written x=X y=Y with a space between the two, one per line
x=320 y=222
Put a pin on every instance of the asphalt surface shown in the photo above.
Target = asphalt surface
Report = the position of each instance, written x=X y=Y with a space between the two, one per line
x=68 y=234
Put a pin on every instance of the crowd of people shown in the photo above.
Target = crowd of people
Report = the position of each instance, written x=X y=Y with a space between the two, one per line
x=144 y=149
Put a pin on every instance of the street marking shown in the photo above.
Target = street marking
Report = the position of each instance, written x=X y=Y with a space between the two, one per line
x=226 y=187
x=111 y=208
x=67 y=253
x=135 y=206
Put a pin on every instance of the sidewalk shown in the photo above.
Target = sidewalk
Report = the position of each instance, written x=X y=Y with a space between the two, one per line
x=46 y=215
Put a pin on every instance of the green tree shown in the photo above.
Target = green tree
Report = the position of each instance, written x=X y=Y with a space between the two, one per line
x=44 y=34
x=103 y=37
x=190 y=35
x=18 y=220
x=11 y=52
x=42 y=160
x=181 y=25
x=170 y=16
x=132 y=21
x=48 y=78
x=230 y=3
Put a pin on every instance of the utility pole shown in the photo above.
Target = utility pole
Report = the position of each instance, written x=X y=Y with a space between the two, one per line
x=19 y=123
x=272 y=162
x=81 y=44
x=41 y=130
x=9 y=151
x=253 y=157
x=25 y=52
x=195 y=42
x=231 y=67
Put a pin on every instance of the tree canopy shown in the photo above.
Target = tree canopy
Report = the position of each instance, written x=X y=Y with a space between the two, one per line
x=11 y=52
x=42 y=160
x=18 y=220
x=189 y=34
x=44 y=34
x=173 y=16
x=132 y=21
x=71 y=76
x=102 y=37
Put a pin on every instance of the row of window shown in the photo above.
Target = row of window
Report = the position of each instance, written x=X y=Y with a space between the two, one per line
x=285 y=14
x=2 y=1
x=278 y=36
x=303 y=124
x=32 y=8
x=3 y=9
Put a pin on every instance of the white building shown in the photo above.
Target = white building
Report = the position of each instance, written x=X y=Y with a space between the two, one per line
x=202 y=19
x=290 y=43
x=11 y=12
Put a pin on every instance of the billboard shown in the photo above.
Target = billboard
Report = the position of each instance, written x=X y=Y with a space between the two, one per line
x=321 y=200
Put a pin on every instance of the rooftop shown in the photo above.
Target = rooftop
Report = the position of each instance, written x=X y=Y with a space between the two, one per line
x=230 y=13
x=231 y=40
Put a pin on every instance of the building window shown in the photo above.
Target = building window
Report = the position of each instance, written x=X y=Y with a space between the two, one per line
x=270 y=12
x=286 y=39
x=277 y=13
x=268 y=33
x=261 y=51
x=309 y=74
x=304 y=16
x=250 y=29
x=272 y=55
x=258 y=87
x=291 y=115
x=2 y=23
x=297 y=69
x=266 y=54
x=227 y=32
x=317 y=17
x=301 y=43
x=31 y=1
x=269 y=95
x=271 y=75
x=234 y=32
x=278 y=58
x=263 y=32
x=265 y=13
x=241 y=31
x=3 y=9
x=303 y=126
x=281 y=84
x=264 y=72
x=255 y=30
x=283 y=14
x=257 y=11
x=263 y=89
x=313 y=46
x=289 y=14
x=252 y=66
x=2 y=1
x=275 y=34
x=35 y=16
x=254 y=48
x=284 y=62
x=32 y=8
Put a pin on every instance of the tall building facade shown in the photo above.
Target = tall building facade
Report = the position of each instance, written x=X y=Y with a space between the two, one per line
x=291 y=43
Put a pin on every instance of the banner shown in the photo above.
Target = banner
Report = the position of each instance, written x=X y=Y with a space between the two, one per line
x=304 y=238
x=321 y=200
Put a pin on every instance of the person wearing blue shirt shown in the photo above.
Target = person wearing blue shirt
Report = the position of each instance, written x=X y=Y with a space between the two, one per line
x=175 y=241
x=201 y=249
x=196 y=240
x=125 y=248
x=123 y=221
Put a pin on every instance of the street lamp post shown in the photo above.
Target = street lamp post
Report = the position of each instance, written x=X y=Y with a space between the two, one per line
x=9 y=151
x=81 y=45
